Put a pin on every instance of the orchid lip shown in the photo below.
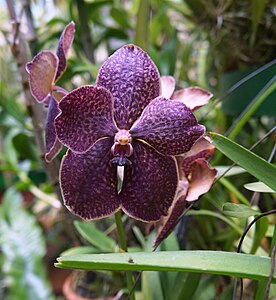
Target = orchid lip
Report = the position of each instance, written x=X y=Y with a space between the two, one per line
x=122 y=148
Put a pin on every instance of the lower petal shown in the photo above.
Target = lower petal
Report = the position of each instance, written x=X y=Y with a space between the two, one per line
x=168 y=223
x=89 y=182
x=149 y=185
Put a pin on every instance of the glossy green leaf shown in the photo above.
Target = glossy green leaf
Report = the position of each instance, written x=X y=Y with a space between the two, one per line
x=141 y=30
x=261 y=228
x=92 y=234
x=234 y=264
x=254 y=164
x=80 y=250
x=232 y=170
x=238 y=210
x=259 y=187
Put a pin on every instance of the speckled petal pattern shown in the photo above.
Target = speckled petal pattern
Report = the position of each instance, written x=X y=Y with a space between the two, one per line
x=149 y=185
x=167 y=86
x=64 y=44
x=133 y=79
x=193 y=97
x=42 y=72
x=89 y=182
x=53 y=146
x=168 y=126
x=86 y=116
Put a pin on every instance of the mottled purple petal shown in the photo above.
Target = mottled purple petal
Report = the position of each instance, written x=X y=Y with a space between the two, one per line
x=167 y=86
x=201 y=179
x=168 y=126
x=64 y=45
x=89 y=182
x=149 y=185
x=86 y=116
x=202 y=149
x=133 y=79
x=168 y=223
x=42 y=72
x=53 y=145
x=193 y=97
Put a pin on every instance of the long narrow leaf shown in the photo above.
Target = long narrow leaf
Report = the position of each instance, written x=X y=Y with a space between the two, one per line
x=234 y=264
x=254 y=164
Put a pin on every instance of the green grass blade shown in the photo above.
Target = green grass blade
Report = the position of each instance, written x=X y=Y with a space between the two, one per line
x=254 y=164
x=141 y=29
x=234 y=264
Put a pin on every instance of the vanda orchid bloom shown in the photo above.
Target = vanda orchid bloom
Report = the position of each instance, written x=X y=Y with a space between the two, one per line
x=44 y=71
x=123 y=121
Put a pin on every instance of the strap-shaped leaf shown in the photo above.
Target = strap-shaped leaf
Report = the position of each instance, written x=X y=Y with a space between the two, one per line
x=254 y=164
x=234 y=264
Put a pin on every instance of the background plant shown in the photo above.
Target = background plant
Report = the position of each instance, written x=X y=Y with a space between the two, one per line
x=176 y=42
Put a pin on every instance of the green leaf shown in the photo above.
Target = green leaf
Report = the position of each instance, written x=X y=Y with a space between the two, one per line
x=259 y=187
x=260 y=230
x=141 y=30
x=151 y=287
x=238 y=210
x=234 y=264
x=92 y=234
x=23 y=249
x=186 y=288
x=233 y=171
x=254 y=164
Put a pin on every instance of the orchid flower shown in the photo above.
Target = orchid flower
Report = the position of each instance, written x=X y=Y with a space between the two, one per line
x=123 y=121
x=44 y=71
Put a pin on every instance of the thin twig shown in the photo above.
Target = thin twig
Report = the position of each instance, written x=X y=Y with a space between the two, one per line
x=271 y=273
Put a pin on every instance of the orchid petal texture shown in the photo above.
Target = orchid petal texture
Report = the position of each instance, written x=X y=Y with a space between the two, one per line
x=133 y=80
x=122 y=121
x=168 y=126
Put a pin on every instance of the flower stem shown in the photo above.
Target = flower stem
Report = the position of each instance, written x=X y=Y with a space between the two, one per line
x=123 y=245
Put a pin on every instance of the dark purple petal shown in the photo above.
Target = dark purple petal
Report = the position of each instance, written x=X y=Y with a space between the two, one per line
x=133 y=79
x=168 y=126
x=42 y=72
x=149 y=185
x=53 y=146
x=167 y=86
x=64 y=45
x=193 y=97
x=168 y=223
x=86 y=116
x=201 y=178
x=89 y=182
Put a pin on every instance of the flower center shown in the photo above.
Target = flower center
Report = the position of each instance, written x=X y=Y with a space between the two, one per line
x=122 y=148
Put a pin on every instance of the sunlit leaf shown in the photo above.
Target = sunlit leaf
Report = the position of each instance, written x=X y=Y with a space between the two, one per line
x=238 y=210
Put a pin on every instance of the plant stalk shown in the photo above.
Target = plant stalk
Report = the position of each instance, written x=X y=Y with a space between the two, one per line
x=123 y=245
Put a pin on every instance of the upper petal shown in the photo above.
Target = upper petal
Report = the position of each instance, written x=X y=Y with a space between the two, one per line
x=133 y=79
x=89 y=182
x=149 y=185
x=86 y=116
x=193 y=97
x=167 y=86
x=168 y=126
x=64 y=44
x=53 y=145
x=42 y=72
